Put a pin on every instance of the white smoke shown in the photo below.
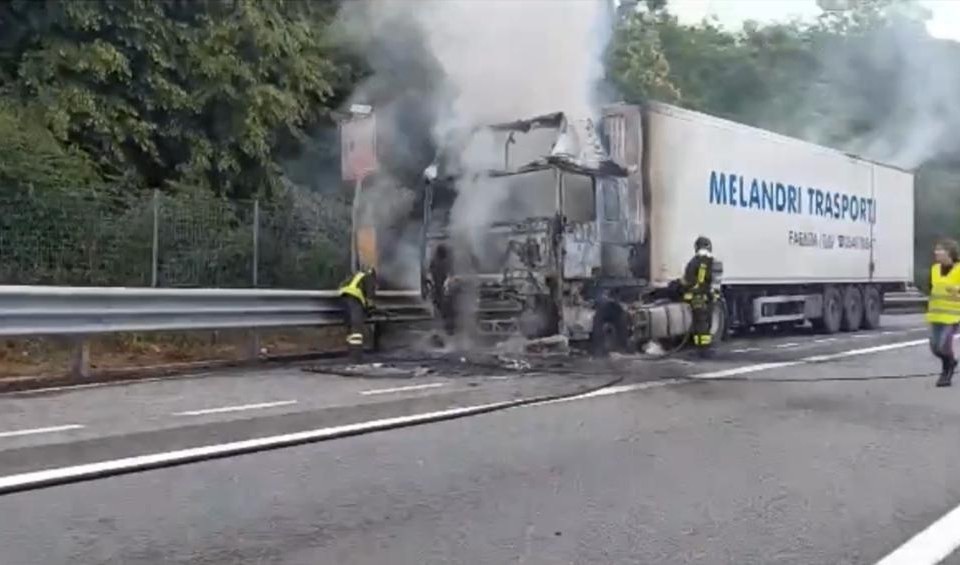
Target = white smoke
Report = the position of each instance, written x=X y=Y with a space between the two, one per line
x=893 y=84
x=499 y=60
x=506 y=59
x=502 y=59
x=925 y=116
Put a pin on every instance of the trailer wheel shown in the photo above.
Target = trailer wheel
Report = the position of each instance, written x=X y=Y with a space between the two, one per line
x=829 y=322
x=609 y=330
x=852 y=308
x=872 y=307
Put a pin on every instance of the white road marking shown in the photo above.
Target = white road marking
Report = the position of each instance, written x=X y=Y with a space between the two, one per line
x=36 y=479
x=745 y=350
x=933 y=541
x=787 y=345
x=400 y=389
x=825 y=340
x=736 y=371
x=861 y=336
x=223 y=409
x=611 y=390
x=117 y=382
x=931 y=546
x=17 y=433
x=813 y=359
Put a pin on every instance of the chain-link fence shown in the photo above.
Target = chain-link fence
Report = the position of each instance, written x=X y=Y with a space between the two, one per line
x=296 y=240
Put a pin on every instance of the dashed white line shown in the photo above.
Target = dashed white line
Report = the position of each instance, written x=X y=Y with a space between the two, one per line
x=927 y=548
x=745 y=350
x=825 y=340
x=35 y=479
x=400 y=389
x=787 y=345
x=17 y=433
x=931 y=546
x=224 y=409
x=33 y=391
x=861 y=336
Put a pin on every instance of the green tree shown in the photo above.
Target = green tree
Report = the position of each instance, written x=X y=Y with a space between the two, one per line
x=214 y=92
x=31 y=157
x=635 y=60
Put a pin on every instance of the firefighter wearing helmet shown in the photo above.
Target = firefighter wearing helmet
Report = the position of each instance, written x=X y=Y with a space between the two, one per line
x=697 y=285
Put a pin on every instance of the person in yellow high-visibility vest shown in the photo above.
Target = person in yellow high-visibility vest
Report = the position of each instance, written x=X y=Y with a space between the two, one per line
x=357 y=294
x=943 y=311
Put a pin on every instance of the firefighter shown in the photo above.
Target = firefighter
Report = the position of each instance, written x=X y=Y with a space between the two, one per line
x=440 y=267
x=357 y=294
x=697 y=286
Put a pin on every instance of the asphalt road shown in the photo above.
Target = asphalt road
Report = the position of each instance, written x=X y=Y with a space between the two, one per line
x=674 y=464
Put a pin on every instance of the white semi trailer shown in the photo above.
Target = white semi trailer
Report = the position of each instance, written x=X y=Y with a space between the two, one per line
x=804 y=232
x=595 y=222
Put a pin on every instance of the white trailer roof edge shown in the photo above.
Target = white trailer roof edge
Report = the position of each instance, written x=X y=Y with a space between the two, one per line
x=685 y=114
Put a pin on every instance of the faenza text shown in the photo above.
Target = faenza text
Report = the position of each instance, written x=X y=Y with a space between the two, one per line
x=828 y=240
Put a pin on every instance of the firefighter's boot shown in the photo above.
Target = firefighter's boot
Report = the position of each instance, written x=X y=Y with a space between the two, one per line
x=355 y=346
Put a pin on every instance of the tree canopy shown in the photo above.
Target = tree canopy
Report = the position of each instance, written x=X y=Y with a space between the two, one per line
x=214 y=92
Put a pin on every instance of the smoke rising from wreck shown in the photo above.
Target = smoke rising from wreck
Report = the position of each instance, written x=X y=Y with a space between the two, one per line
x=457 y=64
x=893 y=86
x=923 y=117
x=509 y=59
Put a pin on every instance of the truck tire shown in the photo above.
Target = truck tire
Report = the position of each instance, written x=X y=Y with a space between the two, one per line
x=609 y=330
x=829 y=322
x=852 y=308
x=872 y=307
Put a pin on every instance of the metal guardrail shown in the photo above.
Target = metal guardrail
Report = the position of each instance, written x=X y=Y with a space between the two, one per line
x=56 y=310
x=28 y=311
x=78 y=311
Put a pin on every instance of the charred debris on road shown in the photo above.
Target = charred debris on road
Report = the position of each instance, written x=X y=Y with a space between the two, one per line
x=516 y=357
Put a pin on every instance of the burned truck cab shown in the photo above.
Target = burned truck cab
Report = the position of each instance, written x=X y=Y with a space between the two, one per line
x=531 y=227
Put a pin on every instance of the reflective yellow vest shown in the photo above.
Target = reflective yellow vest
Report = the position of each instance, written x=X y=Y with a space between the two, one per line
x=353 y=289
x=697 y=285
x=944 y=306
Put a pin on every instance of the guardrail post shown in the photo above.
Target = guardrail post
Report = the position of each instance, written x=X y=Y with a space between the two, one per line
x=256 y=242
x=155 y=245
x=80 y=364
x=254 y=345
x=255 y=335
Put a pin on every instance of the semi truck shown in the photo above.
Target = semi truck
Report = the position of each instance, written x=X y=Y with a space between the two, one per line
x=578 y=228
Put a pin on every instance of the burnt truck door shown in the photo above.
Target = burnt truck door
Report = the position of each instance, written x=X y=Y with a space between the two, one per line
x=621 y=134
x=581 y=233
x=615 y=241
